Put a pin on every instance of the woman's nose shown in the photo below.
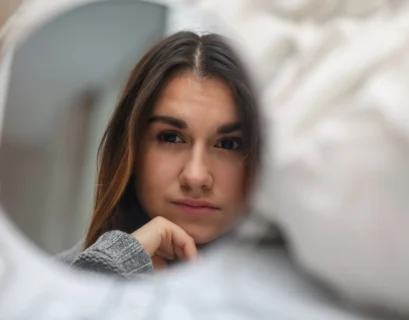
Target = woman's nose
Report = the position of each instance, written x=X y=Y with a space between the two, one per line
x=196 y=174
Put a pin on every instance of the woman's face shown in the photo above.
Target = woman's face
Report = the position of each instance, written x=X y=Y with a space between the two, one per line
x=191 y=165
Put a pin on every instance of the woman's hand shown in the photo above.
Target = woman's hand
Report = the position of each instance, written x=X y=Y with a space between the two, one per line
x=164 y=240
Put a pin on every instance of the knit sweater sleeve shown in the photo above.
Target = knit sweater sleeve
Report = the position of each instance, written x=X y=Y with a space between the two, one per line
x=116 y=253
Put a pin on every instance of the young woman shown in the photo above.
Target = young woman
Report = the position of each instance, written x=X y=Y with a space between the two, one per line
x=177 y=160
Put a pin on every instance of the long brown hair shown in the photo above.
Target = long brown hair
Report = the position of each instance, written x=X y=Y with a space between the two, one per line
x=116 y=204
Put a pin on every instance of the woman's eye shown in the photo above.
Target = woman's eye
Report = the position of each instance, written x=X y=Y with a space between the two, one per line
x=229 y=144
x=170 y=138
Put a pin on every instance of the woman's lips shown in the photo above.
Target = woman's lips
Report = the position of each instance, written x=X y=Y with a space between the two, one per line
x=196 y=207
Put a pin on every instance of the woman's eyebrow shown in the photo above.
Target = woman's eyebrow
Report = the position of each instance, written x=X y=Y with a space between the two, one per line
x=229 y=128
x=180 y=124
x=169 y=120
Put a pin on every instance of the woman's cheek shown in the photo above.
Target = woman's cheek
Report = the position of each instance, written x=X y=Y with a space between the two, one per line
x=163 y=163
x=231 y=174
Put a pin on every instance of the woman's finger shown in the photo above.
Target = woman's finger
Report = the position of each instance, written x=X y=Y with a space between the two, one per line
x=180 y=253
x=190 y=250
x=184 y=245
x=159 y=263
x=165 y=254
x=175 y=237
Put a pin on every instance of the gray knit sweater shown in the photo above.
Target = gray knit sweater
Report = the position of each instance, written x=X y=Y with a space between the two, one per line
x=115 y=252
